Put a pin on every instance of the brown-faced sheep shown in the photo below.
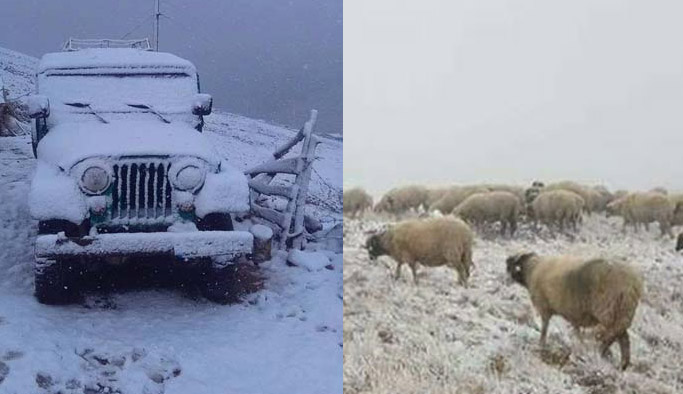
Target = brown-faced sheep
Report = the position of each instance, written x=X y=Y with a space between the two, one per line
x=356 y=202
x=402 y=199
x=454 y=197
x=586 y=292
x=557 y=207
x=485 y=208
x=431 y=242
x=644 y=208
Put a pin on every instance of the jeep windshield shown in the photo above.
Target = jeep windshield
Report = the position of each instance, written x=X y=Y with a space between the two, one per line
x=154 y=95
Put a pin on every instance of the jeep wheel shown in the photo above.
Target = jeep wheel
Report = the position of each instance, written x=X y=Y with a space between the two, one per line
x=218 y=284
x=55 y=282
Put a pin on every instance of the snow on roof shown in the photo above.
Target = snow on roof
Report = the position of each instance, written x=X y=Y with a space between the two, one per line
x=118 y=58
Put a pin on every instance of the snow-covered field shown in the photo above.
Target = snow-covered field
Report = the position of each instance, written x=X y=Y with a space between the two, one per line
x=442 y=338
x=286 y=338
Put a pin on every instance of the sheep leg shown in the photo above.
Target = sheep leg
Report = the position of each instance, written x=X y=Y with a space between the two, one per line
x=513 y=227
x=413 y=267
x=625 y=348
x=606 y=343
x=545 y=320
x=462 y=276
x=665 y=228
x=397 y=275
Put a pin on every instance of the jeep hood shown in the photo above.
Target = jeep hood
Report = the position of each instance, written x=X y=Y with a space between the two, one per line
x=68 y=143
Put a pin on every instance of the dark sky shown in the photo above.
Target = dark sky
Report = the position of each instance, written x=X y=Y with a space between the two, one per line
x=268 y=59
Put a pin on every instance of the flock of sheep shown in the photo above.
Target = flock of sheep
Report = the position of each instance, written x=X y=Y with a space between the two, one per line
x=558 y=205
x=586 y=292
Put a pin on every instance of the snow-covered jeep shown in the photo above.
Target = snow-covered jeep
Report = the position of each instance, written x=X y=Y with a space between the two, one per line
x=124 y=171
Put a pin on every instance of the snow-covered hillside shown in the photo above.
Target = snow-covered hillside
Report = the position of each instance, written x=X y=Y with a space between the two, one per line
x=439 y=337
x=284 y=338
x=17 y=72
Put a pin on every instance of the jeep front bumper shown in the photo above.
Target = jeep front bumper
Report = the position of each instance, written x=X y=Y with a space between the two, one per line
x=226 y=245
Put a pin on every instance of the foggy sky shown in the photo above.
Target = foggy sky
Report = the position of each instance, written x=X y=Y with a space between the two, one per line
x=269 y=59
x=442 y=91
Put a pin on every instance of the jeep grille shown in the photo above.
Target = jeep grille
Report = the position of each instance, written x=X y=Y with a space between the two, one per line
x=141 y=193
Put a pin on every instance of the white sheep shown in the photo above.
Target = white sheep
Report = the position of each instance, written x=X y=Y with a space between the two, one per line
x=557 y=207
x=402 y=199
x=491 y=207
x=589 y=196
x=643 y=208
x=454 y=196
x=356 y=202
x=518 y=191
x=431 y=242
x=435 y=194
x=586 y=292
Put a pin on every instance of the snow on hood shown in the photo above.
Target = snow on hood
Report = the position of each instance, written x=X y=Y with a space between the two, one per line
x=117 y=58
x=68 y=143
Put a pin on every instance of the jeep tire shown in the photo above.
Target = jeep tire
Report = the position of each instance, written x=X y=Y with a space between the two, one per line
x=55 y=281
x=217 y=283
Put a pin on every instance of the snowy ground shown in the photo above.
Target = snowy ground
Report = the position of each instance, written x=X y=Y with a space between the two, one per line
x=286 y=338
x=442 y=338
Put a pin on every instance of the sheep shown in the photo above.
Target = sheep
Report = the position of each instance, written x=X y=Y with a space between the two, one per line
x=587 y=194
x=491 y=207
x=518 y=191
x=677 y=200
x=455 y=196
x=619 y=193
x=644 y=208
x=559 y=207
x=431 y=242
x=356 y=202
x=603 y=198
x=434 y=195
x=530 y=195
x=401 y=199
x=660 y=190
x=586 y=292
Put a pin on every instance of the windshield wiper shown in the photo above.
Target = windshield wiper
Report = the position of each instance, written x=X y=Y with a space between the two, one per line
x=150 y=109
x=87 y=105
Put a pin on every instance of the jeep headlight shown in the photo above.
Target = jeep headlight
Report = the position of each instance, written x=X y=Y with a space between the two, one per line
x=95 y=180
x=187 y=176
